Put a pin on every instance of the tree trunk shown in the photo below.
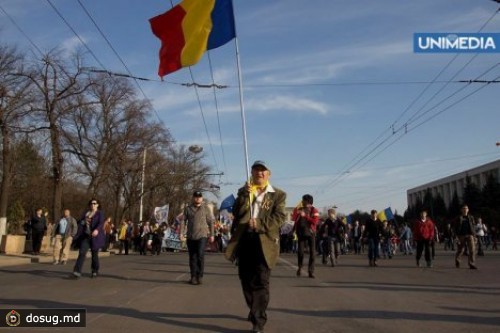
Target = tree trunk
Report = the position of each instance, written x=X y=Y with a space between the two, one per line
x=57 y=168
x=6 y=178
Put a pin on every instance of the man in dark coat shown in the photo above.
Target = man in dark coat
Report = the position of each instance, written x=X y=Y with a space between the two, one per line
x=38 y=227
x=259 y=212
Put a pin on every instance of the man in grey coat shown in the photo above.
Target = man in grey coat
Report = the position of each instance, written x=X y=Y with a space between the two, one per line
x=62 y=236
x=198 y=226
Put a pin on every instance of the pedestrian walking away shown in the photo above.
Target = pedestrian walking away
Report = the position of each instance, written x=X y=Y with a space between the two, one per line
x=259 y=212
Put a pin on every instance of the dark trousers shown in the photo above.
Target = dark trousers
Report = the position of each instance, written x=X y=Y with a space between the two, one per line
x=254 y=276
x=424 y=246
x=373 y=249
x=124 y=246
x=85 y=246
x=37 y=237
x=196 y=249
x=310 y=240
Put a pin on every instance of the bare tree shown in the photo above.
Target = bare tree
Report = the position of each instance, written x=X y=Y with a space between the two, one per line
x=14 y=98
x=57 y=85
x=107 y=137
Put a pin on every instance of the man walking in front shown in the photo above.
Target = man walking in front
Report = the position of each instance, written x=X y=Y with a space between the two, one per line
x=259 y=212
x=198 y=226
x=63 y=232
x=306 y=217
x=464 y=230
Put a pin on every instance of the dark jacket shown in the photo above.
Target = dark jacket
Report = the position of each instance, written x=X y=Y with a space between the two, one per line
x=97 y=223
x=373 y=229
x=38 y=224
x=271 y=217
x=458 y=228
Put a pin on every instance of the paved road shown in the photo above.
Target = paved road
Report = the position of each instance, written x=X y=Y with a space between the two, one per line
x=150 y=294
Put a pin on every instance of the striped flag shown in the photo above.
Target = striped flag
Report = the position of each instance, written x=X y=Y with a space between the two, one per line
x=191 y=28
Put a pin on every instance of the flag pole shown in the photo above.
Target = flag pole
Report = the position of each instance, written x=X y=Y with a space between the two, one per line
x=242 y=108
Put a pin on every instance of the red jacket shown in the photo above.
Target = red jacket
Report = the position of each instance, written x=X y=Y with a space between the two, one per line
x=312 y=218
x=423 y=230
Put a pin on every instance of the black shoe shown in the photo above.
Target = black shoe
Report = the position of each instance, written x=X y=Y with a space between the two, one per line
x=457 y=264
x=256 y=329
x=311 y=275
x=472 y=266
x=74 y=276
x=200 y=280
x=299 y=272
x=193 y=281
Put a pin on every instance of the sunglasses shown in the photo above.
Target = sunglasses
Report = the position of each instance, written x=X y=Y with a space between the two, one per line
x=94 y=203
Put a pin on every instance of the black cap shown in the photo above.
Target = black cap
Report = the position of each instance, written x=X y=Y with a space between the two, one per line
x=197 y=194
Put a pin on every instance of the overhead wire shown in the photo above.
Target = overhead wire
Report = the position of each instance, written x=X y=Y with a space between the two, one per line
x=407 y=130
x=204 y=120
x=216 y=101
x=357 y=159
x=119 y=58
x=75 y=33
x=21 y=31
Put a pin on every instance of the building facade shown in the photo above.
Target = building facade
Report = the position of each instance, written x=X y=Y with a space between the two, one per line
x=447 y=186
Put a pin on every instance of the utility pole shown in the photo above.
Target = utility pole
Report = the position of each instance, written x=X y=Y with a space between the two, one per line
x=142 y=183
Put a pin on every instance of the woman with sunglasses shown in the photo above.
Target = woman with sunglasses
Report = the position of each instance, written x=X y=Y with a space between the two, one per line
x=90 y=236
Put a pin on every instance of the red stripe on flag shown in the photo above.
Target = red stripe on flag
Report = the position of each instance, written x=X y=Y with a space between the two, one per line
x=168 y=28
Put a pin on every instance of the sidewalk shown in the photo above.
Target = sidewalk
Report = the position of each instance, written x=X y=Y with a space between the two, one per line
x=45 y=257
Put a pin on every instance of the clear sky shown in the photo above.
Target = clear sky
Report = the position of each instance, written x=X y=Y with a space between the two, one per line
x=329 y=86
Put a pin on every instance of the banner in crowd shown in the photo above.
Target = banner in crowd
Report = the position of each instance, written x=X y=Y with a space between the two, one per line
x=161 y=214
x=172 y=238
x=286 y=228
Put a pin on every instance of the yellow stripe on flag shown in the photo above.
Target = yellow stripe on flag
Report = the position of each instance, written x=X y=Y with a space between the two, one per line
x=197 y=25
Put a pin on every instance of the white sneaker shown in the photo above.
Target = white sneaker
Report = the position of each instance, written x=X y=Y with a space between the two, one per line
x=55 y=263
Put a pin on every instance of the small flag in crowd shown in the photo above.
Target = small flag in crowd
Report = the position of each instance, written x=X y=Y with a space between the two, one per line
x=189 y=29
x=385 y=215
x=228 y=203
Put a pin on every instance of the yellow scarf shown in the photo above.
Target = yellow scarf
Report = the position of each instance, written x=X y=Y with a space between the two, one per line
x=255 y=190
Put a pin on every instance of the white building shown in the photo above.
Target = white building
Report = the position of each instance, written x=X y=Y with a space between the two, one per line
x=446 y=187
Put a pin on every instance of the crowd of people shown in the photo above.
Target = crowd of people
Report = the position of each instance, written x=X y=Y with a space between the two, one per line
x=256 y=233
x=331 y=237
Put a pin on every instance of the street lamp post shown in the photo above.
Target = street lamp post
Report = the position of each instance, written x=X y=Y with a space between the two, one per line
x=142 y=184
x=195 y=150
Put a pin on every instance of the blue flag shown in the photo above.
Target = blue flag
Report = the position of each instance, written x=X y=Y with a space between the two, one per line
x=228 y=203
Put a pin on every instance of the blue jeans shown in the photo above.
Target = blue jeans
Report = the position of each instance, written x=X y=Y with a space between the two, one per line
x=196 y=249
x=85 y=246
x=373 y=249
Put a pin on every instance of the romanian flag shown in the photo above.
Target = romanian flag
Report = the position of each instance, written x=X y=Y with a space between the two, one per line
x=189 y=29
x=385 y=215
